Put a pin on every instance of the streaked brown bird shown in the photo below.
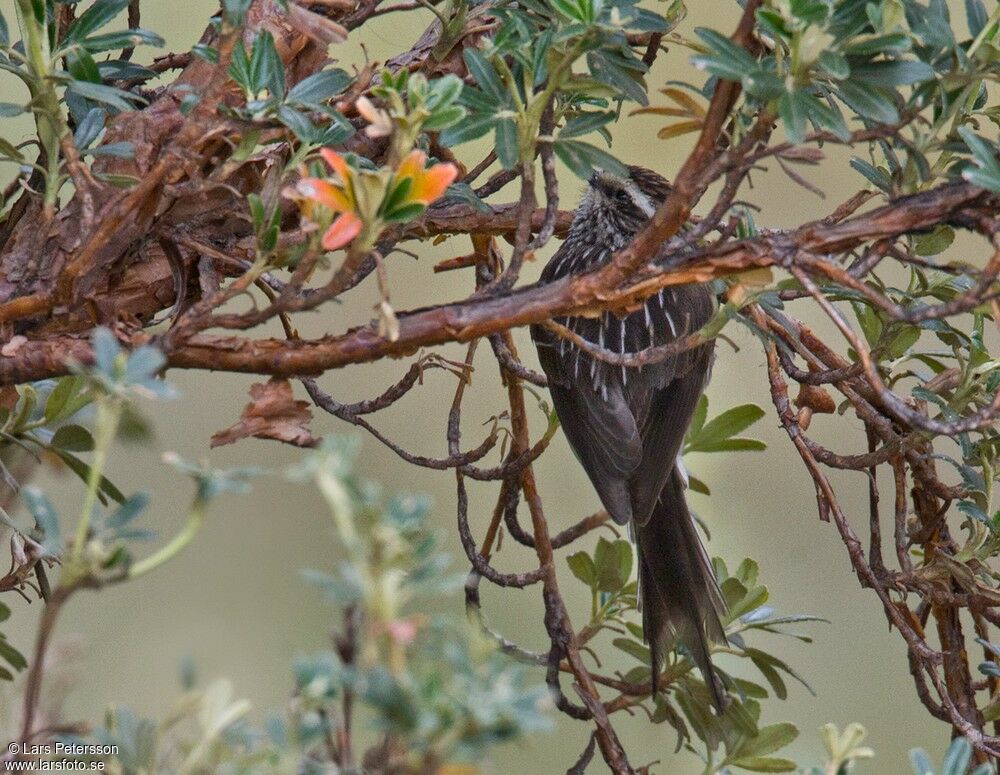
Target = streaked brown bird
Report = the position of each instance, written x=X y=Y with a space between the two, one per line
x=627 y=424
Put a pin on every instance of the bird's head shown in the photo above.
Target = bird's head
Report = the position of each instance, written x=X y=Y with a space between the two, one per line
x=614 y=208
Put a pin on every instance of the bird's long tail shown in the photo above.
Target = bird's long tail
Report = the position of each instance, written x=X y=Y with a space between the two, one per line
x=680 y=597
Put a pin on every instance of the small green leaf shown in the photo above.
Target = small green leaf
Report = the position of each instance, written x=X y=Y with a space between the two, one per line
x=612 y=564
x=485 y=74
x=128 y=511
x=405 y=213
x=892 y=43
x=585 y=123
x=765 y=764
x=121 y=39
x=570 y=9
x=768 y=740
x=506 y=143
x=442 y=118
x=633 y=648
x=763 y=85
x=471 y=127
x=728 y=61
x=108 y=95
x=100 y=13
x=699 y=416
x=239 y=68
x=444 y=92
x=206 y=52
x=834 y=65
x=583 y=568
x=697 y=485
x=875 y=176
x=623 y=75
x=869 y=101
x=11 y=655
x=105 y=488
x=724 y=427
x=984 y=155
x=66 y=399
x=903 y=340
x=81 y=65
x=74 y=438
x=236 y=10
x=266 y=69
x=935 y=242
x=257 y=212
x=957 y=757
x=463 y=192
x=893 y=73
x=319 y=87
x=793 y=107
x=298 y=122
x=45 y=516
x=121 y=150
x=976 y=16
x=734 y=445
x=583 y=158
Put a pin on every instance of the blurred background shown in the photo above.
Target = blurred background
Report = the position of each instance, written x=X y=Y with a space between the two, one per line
x=234 y=602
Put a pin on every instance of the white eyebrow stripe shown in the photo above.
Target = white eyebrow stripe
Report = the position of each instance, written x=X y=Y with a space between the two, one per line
x=640 y=199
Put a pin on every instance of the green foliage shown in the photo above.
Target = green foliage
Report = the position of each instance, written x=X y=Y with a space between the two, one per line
x=40 y=422
x=65 y=80
x=11 y=658
x=736 y=738
x=439 y=691
x=843 y=749
x=956 y=761
x=260 y=73
x=414 y=106
x=824 y=63
x=530 y=62
x=720 y=434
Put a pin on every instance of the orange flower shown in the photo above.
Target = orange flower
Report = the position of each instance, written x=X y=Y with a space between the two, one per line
x=319 y=197
x=428 y=183
x=337 y=163
x=342 y=231
x=325 y=193
x=336 y=194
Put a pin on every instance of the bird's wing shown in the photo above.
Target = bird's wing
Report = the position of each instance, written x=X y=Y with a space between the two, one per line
x=626 y=425
x=605 y=439
x=664 y=402
x=662 y=436
x=596 y=419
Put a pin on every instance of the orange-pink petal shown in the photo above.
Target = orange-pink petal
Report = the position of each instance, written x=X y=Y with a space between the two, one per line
x=403 y=631
x=412 y=166
x=342 y=231
x=326 y=194
x=432 y=183
x=337 y=163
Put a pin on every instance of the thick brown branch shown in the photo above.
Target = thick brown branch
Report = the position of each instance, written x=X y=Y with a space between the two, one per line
x=472 y=318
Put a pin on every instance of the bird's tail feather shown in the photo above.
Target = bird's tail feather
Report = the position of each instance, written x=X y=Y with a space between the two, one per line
x=680 y=596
